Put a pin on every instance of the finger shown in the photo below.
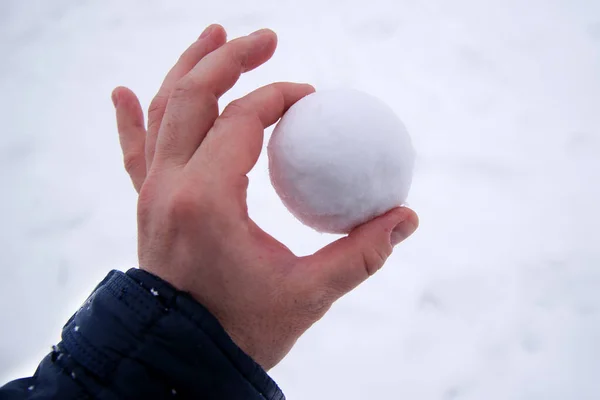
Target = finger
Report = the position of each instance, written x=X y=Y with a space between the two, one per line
x=347 y=262
x=132 y=134
x=236 y=139
x=193 y=106
x=211 y=39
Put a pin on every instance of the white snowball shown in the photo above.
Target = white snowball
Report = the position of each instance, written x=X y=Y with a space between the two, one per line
x=339 y=158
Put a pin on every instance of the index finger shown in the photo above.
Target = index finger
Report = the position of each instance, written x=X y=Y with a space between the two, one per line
x=236 y=139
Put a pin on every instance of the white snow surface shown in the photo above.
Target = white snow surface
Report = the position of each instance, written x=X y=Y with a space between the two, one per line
x=339 y=158
x=496 y=296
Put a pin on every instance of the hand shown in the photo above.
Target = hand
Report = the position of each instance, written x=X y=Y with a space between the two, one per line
x=190 y=168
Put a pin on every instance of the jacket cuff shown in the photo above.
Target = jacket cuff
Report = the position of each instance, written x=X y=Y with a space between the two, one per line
x=138 y=337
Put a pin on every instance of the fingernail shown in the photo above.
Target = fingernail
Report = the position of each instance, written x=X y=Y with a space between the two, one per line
x=403 y=230
x=207 y=31
x=115 y=99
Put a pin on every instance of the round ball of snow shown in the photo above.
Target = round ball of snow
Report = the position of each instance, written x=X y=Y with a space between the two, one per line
x=339 y=158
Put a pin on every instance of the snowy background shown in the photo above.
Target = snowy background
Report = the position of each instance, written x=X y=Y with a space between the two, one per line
x=497 y=296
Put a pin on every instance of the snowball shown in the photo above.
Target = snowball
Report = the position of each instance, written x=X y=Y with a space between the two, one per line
x=339 y=158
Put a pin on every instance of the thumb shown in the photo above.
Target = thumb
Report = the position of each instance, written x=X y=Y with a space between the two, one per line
x=347 y=262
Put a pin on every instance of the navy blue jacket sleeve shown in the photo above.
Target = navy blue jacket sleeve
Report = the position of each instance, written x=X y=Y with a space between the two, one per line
x=136 y=337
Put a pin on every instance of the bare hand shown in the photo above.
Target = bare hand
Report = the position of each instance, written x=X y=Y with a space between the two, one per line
x=190 y=168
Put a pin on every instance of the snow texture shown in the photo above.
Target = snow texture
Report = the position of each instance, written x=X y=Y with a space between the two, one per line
x=339 y=158
x=495 y=297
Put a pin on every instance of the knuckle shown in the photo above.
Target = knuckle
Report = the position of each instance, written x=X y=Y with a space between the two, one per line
x=183 y=87
x=197 y=89
x=235 y=55
x=319 y=303
x=313 y=303
x=239 y=57
x=183 y=205
x=157 y=105
x=189 y=85
x=240 y=111
x=235 y=108
x=373 y=259
x=132 y=162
